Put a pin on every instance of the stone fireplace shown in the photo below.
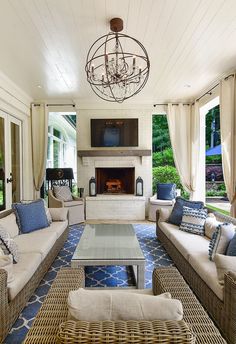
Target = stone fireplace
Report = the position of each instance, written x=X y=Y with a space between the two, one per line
x=112 y=180
x=115 y=168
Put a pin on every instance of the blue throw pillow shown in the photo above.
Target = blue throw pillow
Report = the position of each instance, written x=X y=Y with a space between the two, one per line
x=30 y=216
x=166 y=191
x=231 y=250
x=177 y=211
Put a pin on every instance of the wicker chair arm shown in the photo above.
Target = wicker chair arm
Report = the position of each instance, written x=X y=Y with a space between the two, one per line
x=53 y=202
x=157 y=215
x=156 y=331
x=3 y=293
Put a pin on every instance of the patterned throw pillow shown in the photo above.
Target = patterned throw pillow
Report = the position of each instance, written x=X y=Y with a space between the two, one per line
x=63 y=193
x=177 y=211
x=30 y=216
x=220 y=239
x=193 y=220
x=8 y=245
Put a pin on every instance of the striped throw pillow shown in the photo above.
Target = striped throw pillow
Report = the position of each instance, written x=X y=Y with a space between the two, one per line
x=193 y=220
x=220 y=239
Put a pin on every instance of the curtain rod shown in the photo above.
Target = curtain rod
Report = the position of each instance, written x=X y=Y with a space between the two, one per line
x=177 y=104
x=208 y=92
x=55 y=105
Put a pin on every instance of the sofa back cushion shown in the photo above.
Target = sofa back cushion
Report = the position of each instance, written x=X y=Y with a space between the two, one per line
x=177 y=211
x=210 y=225
x=30 y=216
x=166 y=191
x=224 y=264
x=193 y=220
x=9 y=224
x=8 y=245
x=93 y=305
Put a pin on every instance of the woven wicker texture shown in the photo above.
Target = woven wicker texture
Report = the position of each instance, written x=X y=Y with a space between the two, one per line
x=109 y=332
x=54 y=312
x=54 y=309
x=169 y=279
x=9 y=311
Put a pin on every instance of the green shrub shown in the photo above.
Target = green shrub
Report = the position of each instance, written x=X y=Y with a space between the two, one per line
x=215 y=193
x=167 y=174
x=163 y=158
x=214 y=159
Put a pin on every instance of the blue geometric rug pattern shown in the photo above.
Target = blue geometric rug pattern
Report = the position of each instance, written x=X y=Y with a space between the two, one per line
x=99 y=276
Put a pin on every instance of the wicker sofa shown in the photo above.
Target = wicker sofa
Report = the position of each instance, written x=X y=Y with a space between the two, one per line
x=191 y=258
x=37 y=252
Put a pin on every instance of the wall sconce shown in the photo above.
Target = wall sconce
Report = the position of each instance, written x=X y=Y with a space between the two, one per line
x=139 y=186
x=92 y=187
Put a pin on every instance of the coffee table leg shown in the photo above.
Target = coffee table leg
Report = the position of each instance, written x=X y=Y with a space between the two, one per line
x=140 y=276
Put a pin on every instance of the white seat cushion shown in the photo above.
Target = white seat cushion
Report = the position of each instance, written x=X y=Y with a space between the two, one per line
x=206 y=269
x=40 y=241
x=167 y=228
x=72 y=203
x=187 y=243
x=161 y=202
x=58 y=227
x=22 y=272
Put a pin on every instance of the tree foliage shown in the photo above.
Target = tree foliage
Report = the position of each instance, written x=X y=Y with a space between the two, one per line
x=163 y=158
x=213 y=127
x=160 y=133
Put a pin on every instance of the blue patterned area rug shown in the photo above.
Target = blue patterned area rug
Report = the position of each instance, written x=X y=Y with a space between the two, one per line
x=99 y=276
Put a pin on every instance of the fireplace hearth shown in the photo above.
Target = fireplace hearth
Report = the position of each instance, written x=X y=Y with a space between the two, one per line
x=115 y=180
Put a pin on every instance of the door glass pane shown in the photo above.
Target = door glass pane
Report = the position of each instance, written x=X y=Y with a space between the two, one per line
x=2 y=166
x=15 y=161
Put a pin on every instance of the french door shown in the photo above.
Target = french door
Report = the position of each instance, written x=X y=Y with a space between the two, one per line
x=10 y=160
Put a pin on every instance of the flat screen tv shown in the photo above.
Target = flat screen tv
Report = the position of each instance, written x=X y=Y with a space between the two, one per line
x=116 y=132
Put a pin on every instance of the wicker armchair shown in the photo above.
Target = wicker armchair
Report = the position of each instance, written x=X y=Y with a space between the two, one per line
x=51 y=325
x=75 y=207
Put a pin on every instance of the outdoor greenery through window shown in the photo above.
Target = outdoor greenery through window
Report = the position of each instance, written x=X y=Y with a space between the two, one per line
x=215 y=186
x=164 y=170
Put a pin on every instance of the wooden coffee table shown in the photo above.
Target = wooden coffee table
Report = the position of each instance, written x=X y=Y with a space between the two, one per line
x=110 y=244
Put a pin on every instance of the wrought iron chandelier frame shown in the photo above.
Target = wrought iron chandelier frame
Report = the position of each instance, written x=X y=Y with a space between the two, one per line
x=124 y=78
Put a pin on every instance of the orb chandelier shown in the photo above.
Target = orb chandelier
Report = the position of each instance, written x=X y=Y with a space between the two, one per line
x=117 y=65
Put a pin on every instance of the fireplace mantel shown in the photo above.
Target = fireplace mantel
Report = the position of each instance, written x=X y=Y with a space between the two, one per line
x=104 y=152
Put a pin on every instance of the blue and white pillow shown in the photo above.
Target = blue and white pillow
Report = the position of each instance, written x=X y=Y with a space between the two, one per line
x=221 y=239
x=177 y=211
x=193 y=220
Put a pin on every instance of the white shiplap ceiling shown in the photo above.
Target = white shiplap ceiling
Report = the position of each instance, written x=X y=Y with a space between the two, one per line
x=45 y=42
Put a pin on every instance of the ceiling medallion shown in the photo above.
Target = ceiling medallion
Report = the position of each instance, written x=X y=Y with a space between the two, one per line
x=117 y=65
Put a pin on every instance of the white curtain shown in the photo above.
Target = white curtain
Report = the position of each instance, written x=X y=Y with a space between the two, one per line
x=184 y=128
x=39 y=130
x=228 y=137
